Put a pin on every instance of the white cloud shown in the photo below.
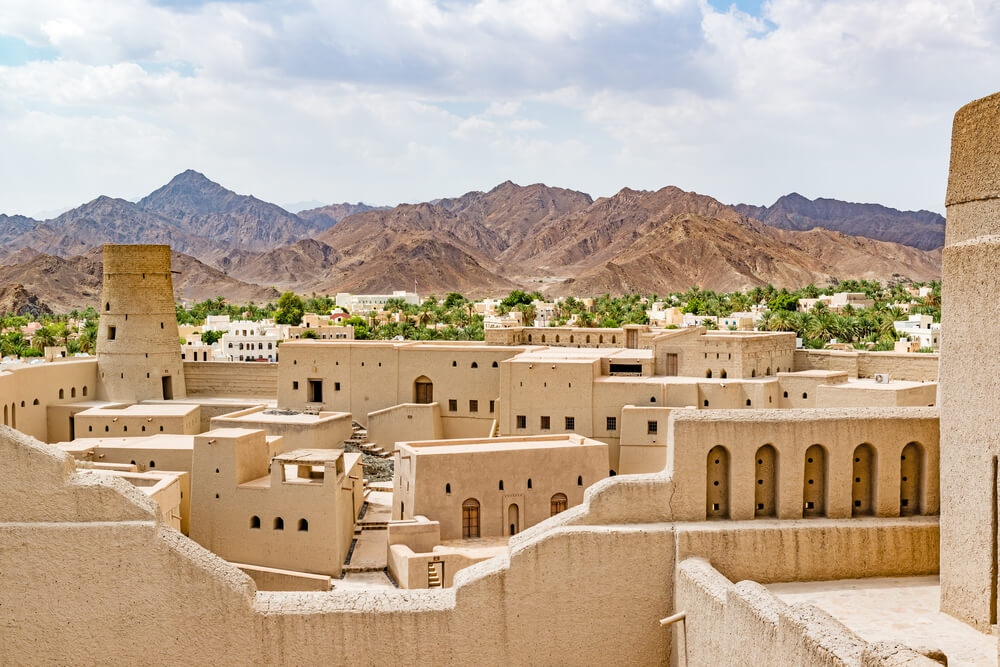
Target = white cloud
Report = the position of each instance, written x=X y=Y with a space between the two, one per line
x=389 y=100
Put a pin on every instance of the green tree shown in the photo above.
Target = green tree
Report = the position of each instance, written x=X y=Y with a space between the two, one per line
x=453 y=299
x=783 y=301
x=515 y=298
x=360 y=327
x=211 y=336
x=310 y=333
x=290 y=310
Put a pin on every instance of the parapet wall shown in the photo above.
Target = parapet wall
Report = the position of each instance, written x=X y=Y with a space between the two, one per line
x=745 y=624
x=916 y=366
x=254 y=379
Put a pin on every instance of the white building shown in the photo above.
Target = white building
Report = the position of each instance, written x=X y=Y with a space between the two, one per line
x=355 y=303
x=252 y=341
x=921 y=329
x=216 y=323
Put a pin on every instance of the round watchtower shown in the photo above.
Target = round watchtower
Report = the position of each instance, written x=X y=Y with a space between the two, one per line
x=138 y=346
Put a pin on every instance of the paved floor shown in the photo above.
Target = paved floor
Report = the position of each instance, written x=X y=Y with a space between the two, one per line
x=379 y=507
x=363 y=581
x=900 y=609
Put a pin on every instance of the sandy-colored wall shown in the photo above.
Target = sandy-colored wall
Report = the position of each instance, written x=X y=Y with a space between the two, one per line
x=49 y=384
x=272 y=579
x=693 y=433
x=329 y=431
x=745 y=624
x=410 y=569
x=970 y=403
x=919 y=367
x=405 y=422
x=232 y=378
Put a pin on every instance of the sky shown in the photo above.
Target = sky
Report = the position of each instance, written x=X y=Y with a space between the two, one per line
x=386 y=101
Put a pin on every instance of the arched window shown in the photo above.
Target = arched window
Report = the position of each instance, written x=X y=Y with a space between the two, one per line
x=611 y=473
x=768 y=370
x=447 y=489
x=107 y=307
x=72 y=392
x=652 y=399
x=475 y=365
x=723 y=374
x=470 y=518
x=303 y=525
x=805 y=395
x=152 y=464
x=579 y=480
x=717 y=483
x=279 y=523
x=786 y=394
x=454 y=364
x=513 y=519
x=863 y=483
x=557 y=338
x=557 y=504
x=255 y=521
x=814 y=482
x=911 y=467
x=600 y=339
x=22 y=404
x=62 y=393
x=614 y=339
x=748 y=402
x=766 y=488
x=35 y=402
x=501 y=485
x=543 y=338
x=84 y=390
x=706 y=402
x=588 y=338
x=708 y=373
x=753 y=372
x=496 y=365
x=529 y=482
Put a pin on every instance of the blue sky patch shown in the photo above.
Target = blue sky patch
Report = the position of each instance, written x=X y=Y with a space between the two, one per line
x=15 y=51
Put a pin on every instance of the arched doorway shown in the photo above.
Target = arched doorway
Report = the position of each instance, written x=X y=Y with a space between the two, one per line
x=513 y=521
x=557 y=504
x=911 y=466
x=470 y=518
x=863 y=483
x=766 y=475
x=423 y=390
x=717 y=483
x=814 y=482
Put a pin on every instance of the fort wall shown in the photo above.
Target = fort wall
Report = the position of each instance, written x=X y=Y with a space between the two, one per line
x=237 y=379
x=915 y=366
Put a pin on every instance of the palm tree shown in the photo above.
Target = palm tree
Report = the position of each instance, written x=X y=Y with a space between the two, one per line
x=88 y=337
x=44 y=337
x=424 y=317
x=527 y=313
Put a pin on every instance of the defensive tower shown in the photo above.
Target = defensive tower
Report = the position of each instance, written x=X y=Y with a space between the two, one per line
x=138 y=346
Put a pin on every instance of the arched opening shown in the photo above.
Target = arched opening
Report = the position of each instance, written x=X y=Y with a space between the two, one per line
x=72 y=392
x=768 y=370
x=706 y=402
x=501 y=485
x=84 y=390
x=152 y=464
x=303 y=525
x=475 y=365
x=557 y=504
x=579 y=480
x=470 y=518
x=496 y=365
x=766 y=487
x=557 y=338
x=753 y=372
x=255 y=521
x=107 y=307
x=911 y=467
x=279 y=523
x=513 y=520
x=600 y=339
x=423 y=390
x=447 y=489
x=717 y=483
x=723 y=374
x=814 y=482
x=543 y=338
x=62 y=394
x=529 y=482
x=35 y=402
x=748 y=402
x=5 y=416
x=708 y=373
x=863 y=483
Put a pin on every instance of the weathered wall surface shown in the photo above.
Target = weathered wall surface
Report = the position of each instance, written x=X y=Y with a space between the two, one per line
x=970 y=403
x=27 y=393
x=919 y=367
x=405 y=422
x=231 y=378
x=745 y=624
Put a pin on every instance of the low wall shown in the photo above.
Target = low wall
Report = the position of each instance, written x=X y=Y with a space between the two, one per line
x=231 y=378
x=916 y=366
x=745 y=624
x=272 y=579
x=404 y=423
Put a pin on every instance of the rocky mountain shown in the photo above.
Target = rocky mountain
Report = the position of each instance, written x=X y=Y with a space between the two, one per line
x=199 y=206
x=60 y=284
x=328 y=216
x=920 y=229
x=19 y=301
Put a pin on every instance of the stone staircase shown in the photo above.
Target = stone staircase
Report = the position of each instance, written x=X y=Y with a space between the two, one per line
x=359 y=439
x=434 y=579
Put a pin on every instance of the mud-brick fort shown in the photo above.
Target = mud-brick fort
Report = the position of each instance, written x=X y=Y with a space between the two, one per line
x=678 y=497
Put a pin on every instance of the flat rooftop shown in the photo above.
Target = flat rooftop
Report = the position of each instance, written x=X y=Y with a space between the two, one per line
x=309 y=456
x=158 y=441
x=895 y=609
x=540 y=354
x=142 y=410
x=510 y=443
x=270 y=416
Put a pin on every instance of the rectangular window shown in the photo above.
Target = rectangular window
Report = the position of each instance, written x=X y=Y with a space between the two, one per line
x=452 y=405
x=473 y=405
x=522 y=421
x=545 y=424
x=295 y=385
x=315 y=391
x=111 y=333
x=570 y=423
x=336 y=386
x=612 y=423
x=492 y=406
x=651 y=428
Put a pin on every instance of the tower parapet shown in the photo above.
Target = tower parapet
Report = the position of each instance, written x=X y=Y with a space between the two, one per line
x=138 y=345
